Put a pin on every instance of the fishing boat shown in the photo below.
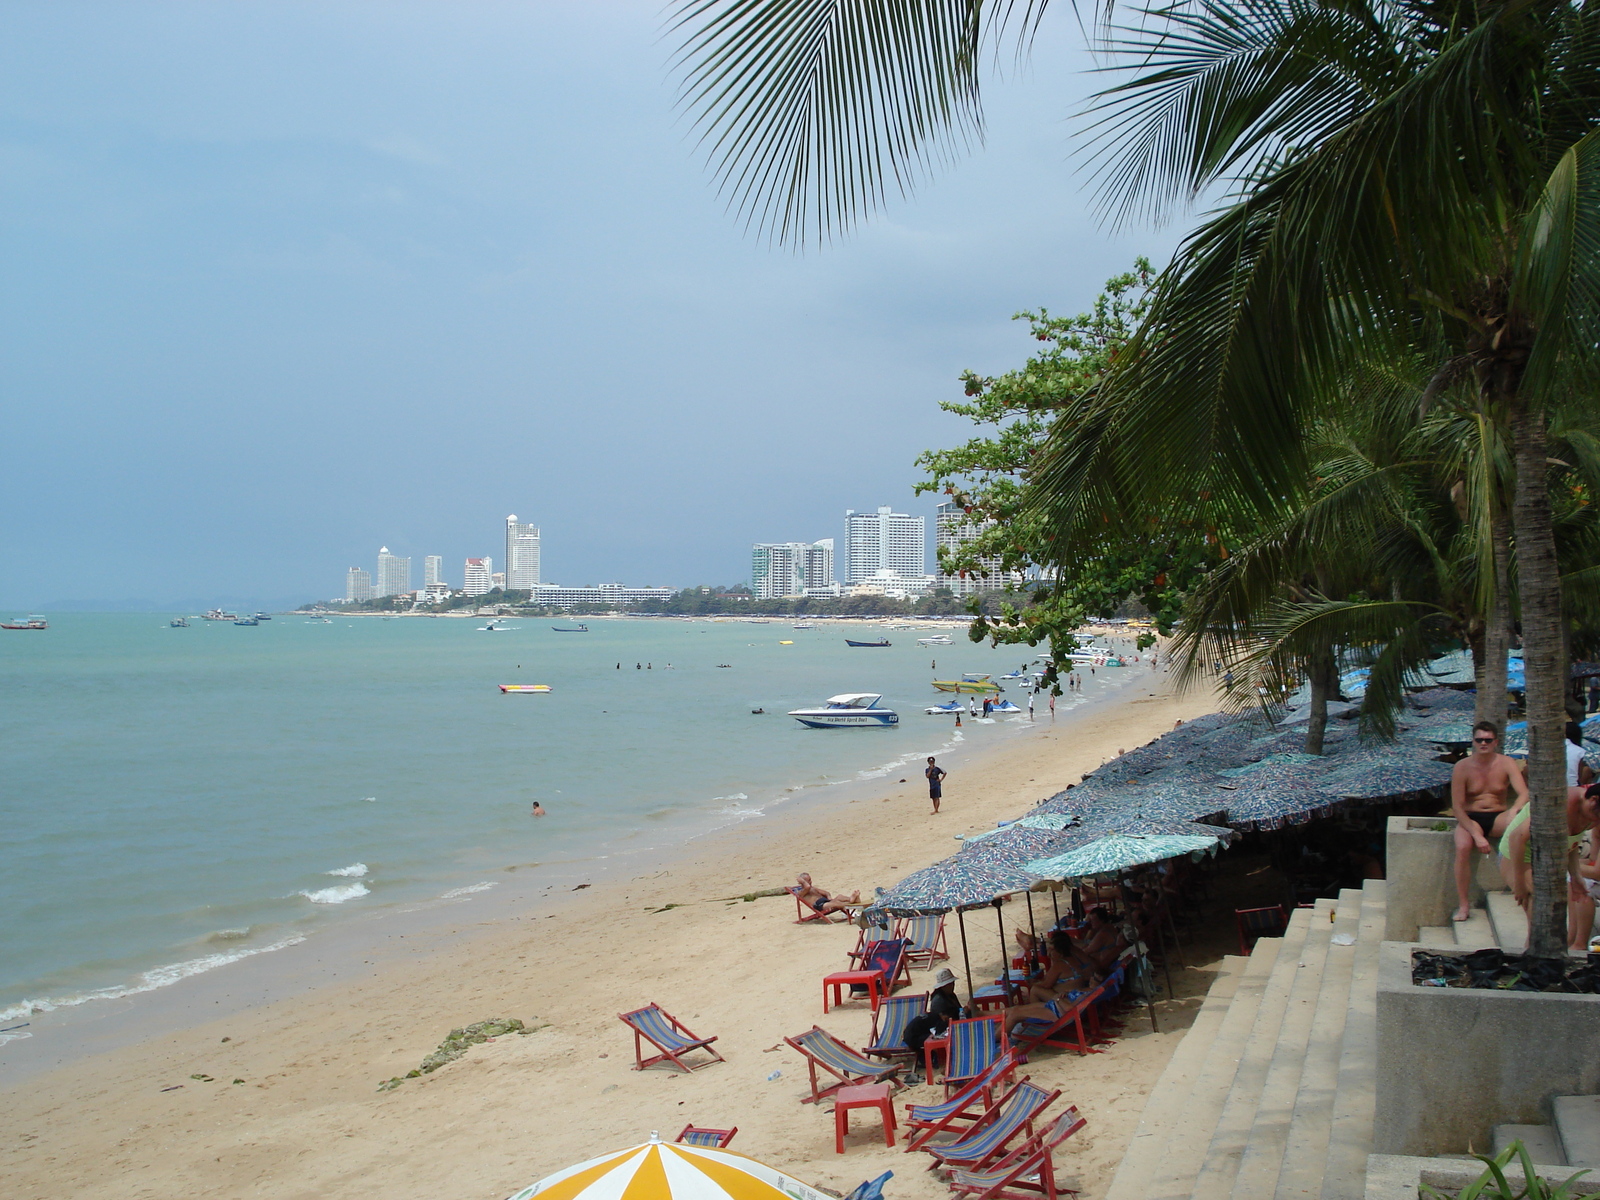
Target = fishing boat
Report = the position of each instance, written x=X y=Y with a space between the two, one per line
x=246 y=621
x=579 y=627
x=216 y=614
x=524 y=689
x=860 y=645
x=30 y=622
x=848 y=711
x=179 y=623
x=938 y=639
x=975 y=687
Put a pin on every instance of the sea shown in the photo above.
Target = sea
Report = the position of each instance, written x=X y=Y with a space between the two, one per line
x=175 y=800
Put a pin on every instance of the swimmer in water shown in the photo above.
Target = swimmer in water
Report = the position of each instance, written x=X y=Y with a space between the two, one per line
x=538 y=809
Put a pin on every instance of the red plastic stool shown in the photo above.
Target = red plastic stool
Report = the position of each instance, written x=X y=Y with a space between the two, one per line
x=871 y=1095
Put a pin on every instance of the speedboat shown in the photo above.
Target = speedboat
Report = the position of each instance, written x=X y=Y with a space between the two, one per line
x=32 y=622
x=246 y=621
x=491 y=627
x=179 y=623
x=216 y=614
x=802 y=626
x=858 y=645
x=972 y=686
x=524 y=689
x=847 y=711
x=260 y=616
x=938 y=639
x=952 y=706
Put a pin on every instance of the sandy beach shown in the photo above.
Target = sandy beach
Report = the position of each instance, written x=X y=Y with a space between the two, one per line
x=288 y=1104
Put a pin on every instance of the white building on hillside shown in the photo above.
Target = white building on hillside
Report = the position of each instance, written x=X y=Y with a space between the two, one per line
x=953 y=529
x=394 y=574
x=892 y=585
x=478 y=578
x=885 y=541
x=555 y=596
x=779 y=569
x=522 y=555
x=357 y=586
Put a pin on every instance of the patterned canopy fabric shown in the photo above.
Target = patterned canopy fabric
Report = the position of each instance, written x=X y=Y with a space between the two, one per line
x=1116 y=852
x=962 y=881
x=669 y=1171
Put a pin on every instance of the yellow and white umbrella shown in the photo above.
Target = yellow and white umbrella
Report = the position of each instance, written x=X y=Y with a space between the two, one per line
x=661 y=1170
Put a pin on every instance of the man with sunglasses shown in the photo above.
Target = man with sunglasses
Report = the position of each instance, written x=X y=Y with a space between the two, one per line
x=1479 y=788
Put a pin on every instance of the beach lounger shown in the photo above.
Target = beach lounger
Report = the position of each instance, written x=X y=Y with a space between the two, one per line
x=926 y=935
x=1074 y=1029
x=822 y=1049
x=805 y=914
x=717 y=1139
x=875 y=930
x=925 y=1121
x=987 y=1141
x=653 y=1024
x=975 y=1044
x=888 y=959
x=890 y=1021
x=1027 y=1173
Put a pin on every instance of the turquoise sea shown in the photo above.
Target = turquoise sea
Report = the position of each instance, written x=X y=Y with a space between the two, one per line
x=172 y=800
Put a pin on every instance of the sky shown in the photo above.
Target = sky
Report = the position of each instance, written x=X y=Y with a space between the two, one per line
x=284 y=282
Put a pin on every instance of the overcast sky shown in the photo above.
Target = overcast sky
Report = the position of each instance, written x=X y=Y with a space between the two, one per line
x=287 y=281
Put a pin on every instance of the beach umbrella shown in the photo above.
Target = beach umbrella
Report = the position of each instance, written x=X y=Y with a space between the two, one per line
x=1393 y=776
x=1115 y=852
x=1443 y=732
x=660 y=1170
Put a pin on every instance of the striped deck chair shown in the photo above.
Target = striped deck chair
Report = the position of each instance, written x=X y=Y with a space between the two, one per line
x=804 y=914
x=1073 y=1029
x=877 y=929
x=888 y=959
x=925 y=1121
x=889 y=1024
x=654 y=1025
x=926 y=935
x=987 y=1142
x=1027 y=1173
x=717 y=1139
x=975 y=1044
x=822 y=1049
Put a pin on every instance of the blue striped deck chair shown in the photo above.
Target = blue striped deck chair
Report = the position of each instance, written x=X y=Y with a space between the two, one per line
x=878 y=928
x=888 y=959
x=925 y=1121
x=1066 y=1032
x=717 y=1139
x=987 y=1142
x=668 y=1035
x=1027 y=1173
x=975 y=1044
x=926 y=935
x=822 y=1049
x=889 y=1024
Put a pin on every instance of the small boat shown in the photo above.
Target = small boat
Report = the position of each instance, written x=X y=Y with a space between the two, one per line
x=30 y=622
x=756 y=712
x=263 y=616
x=318 y=619
x=580 y=627
x=973 y=686
x=802 y=626
x=847 y=711
x=246 y=621
x=951 y=706
x=524 y=689
x=720 y=666
x=491 y=627
x=938 y=639
x=179 y=623
x=788 y=643
x=216 y=614
x=858 y=645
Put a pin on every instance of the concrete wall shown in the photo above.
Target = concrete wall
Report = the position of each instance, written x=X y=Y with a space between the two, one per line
x=1455 y=1062
x=1421 y=876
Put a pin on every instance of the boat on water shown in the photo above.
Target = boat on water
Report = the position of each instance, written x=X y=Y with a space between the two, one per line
x=524 y=689
x=263 y=616
x=216 y=614
x=579 y=627
x=802 y=627
x=790 y=642
x=246 y=621
x=29 y=622
x=859 y=645
x=1004 y=706
x=848 y=711
x=179 y=623
x=984 y=686
x=318 y=619
x=949 y=706
x=491 y=627
x=938 y=639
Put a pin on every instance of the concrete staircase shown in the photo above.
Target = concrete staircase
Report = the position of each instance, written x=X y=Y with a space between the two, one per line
x=1270 y=1094
x=1501 y=922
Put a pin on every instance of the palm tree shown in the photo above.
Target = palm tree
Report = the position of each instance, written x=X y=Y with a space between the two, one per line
x=1399 y=174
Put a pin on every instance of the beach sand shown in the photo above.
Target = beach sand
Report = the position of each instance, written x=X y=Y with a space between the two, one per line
x=291 y=1108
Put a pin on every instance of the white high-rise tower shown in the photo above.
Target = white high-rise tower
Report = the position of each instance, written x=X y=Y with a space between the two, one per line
x=953 y=528
x=522 y=555
x=394 y=574
x=886 y=541
x=432 y=570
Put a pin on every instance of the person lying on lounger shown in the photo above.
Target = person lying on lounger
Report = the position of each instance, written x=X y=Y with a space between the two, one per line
x=820 y=901
x=1069 y=969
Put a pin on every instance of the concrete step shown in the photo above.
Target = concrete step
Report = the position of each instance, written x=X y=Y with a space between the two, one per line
x=1477 y=931
x=1509 y=921
x=1544 y=1147
x=1577 y=1124
x=1262 y=1160
x=1305 y=1153
x=1437 y=937
x=1169 y=1098
x=1173 y=1177
x=1350 y=1131
x=1223 y=1156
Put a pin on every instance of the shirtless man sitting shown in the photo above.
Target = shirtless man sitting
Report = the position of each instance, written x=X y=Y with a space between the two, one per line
x=1478 y=788
x=1583 y=818
x=820 y=901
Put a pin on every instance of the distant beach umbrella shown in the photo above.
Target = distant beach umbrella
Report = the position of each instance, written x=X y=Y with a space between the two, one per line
x=1443 y=732
x=660 y=1170
x=1116 y=852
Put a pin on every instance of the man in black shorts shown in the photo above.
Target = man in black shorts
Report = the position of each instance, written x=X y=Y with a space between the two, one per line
x=1481 y=786
x=935 y=774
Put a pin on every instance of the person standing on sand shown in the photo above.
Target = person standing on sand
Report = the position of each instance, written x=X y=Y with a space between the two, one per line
x=935 y=774
x=1052 y=706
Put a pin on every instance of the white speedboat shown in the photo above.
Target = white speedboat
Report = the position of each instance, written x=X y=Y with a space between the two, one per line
x=491 y=627
x=848 y=711
x=938 y=639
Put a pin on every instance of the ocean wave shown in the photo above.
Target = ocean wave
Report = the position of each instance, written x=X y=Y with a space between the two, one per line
x=148 y=981
x=735 y=796
x=228 y=935
x=739 y=812
x=13 y=1036
x=454 y=893
x=336 y=895
x=353 y=871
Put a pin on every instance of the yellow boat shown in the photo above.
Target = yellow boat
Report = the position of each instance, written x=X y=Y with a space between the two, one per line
x=983 y=686
x=521 y=688
x=785 y=643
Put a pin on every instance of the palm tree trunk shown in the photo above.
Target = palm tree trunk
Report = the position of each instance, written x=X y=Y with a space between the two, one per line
x=1546 y=671
x=1324 y=679
x=1491 y=702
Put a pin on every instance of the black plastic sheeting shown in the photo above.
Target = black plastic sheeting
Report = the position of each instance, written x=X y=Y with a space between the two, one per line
x=1493 y=968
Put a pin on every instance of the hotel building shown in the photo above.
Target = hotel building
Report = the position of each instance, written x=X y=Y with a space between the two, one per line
x=522 y=555
x=953 y=529
x=478 y=578
x=885 y=541
x=394 y=574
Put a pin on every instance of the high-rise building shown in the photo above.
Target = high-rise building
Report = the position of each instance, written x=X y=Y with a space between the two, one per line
x=432 y=570
x=357 y=586
x=522 y=555
x=953 y=528
x=885 y=541
x=394 y=574
x=478 y=579
x=779 y=569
